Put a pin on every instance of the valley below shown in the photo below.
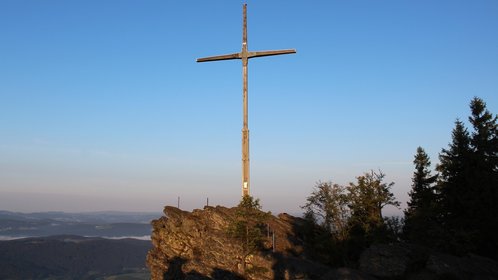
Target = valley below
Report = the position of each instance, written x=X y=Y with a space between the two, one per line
x=58 y=245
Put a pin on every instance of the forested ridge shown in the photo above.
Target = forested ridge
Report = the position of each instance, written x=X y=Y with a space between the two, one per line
x=71 y=257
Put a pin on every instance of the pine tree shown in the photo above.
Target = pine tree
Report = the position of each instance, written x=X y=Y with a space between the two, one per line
x=469 y=185
x=455 y=190
x=484 y=139
x=484 y=145
x=420 y=216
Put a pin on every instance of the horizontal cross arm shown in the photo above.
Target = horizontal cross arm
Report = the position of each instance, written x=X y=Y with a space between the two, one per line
x=268 y=53
x=220 y=57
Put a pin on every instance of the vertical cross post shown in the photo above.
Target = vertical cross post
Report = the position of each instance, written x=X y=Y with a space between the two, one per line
x=245 y=55
x=245 y=127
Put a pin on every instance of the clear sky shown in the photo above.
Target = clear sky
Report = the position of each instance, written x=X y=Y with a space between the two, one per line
x=103 y=107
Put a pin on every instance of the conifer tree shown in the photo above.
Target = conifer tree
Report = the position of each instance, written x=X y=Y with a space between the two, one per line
x=455 y=189
x=468 y=185
x=484 y=145
x=484 y=139
x=420 y=216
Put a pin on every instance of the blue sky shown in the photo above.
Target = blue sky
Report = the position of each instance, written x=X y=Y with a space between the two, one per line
x=103 y=107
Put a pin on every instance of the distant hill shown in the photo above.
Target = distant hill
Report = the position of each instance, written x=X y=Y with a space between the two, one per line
x=73 y=257
x=102 y=217
x=99 y=224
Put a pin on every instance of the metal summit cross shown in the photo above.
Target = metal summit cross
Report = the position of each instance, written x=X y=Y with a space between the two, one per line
x=245 y=55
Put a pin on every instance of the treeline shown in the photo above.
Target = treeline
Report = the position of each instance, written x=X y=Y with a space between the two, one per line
x=454 y=210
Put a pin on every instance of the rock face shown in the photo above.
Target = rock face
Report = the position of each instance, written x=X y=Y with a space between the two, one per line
x=195 y=245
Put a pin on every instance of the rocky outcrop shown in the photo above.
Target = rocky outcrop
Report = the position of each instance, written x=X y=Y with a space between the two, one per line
x=195 y=245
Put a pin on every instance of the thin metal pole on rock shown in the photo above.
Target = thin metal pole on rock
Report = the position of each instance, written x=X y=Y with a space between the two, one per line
x=273 y=242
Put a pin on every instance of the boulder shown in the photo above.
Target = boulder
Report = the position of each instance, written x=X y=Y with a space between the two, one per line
x=403 y=261
x=462 y=268
x=386 y=261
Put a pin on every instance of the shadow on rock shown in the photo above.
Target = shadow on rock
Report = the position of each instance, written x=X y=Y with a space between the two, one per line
x=175 y=271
